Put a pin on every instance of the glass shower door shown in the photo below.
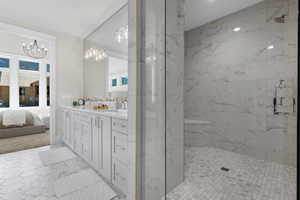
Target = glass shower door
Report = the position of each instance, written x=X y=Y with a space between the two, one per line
x=162 y=97
x=220 y=100
x=153 y=101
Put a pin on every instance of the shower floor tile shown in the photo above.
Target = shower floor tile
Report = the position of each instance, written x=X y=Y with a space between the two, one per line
x=244 y=178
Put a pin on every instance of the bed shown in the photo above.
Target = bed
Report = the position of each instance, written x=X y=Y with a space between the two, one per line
x=33 y=125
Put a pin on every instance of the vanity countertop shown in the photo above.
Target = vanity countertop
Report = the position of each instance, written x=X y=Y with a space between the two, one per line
x=113 y=114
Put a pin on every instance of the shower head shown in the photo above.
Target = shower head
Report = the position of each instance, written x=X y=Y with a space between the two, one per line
x=280 y=19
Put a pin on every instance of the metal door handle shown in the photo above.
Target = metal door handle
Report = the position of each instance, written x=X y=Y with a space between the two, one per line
x=102 y=144
x=114 y=144
x=114 y=171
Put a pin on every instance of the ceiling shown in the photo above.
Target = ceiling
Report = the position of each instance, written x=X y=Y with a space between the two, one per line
x=75 y=17
x=80 y=17
x=199 y=12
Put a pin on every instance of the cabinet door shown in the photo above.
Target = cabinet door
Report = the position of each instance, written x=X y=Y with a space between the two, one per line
x=119 y=175
x=67 y=128
x=95 y=142
x=120 y=146
x=86 y=138
x=76 y=132
x=105 y=147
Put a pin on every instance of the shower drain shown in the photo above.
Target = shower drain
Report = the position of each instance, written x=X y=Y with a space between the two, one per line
x=225 y=169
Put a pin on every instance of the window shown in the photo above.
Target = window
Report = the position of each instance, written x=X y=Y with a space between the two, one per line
x=4 y=82
x=48 y=84
x=117 y=75
x=29 y=82
x=26 y=65
x=4 y=63
x=114 y=82
x=124 y=80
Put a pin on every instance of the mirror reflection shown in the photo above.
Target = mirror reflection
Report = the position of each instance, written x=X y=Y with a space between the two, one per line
x=106 y=60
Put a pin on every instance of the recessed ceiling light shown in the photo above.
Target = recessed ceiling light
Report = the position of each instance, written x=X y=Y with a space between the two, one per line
x=271 y=47
x=237 y=29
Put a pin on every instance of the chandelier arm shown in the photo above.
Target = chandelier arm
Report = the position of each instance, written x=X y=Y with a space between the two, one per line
x=34 y=50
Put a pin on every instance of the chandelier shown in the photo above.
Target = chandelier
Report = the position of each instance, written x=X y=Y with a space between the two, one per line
x=34 y=50
x=122 y=34
x=96 y=54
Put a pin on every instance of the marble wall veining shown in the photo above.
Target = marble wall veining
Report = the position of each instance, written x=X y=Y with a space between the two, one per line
x=153 y=115
x=134 y=97
x=162 y=97
x=230 y=80
x=174 y=92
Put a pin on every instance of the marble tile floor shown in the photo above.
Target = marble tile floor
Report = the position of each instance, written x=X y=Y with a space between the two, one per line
x=24 y=177
x=247 y=178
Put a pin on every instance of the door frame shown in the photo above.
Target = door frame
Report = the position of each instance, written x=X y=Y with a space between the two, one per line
x=35 y=35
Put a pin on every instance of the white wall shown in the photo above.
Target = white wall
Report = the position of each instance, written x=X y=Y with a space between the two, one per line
x=69 y=73
x=69 y=67
x=12 y=43
x=117 y=68
x=95 y=76
x=174 y=93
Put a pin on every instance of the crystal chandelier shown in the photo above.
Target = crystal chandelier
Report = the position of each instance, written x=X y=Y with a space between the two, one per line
x=96 y=54
x=122 y=34
x=34 y=50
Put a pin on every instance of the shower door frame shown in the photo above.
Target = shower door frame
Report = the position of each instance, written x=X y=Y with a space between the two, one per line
x=298 y=101
x=140 y=62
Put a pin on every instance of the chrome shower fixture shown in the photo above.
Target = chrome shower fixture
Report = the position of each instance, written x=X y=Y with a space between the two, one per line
x=280 y=19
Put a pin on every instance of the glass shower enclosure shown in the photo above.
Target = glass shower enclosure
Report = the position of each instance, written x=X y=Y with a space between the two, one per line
x=162 y=97
x=219 y=100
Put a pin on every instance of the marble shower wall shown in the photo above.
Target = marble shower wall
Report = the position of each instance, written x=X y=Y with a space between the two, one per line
x=152 y=78
x=162 y=97
x=174 y=92
x=230 y=80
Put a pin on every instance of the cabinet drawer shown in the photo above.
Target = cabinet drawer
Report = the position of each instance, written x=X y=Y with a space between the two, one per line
x=120 y=146
x=120 y=175
x=119 y=125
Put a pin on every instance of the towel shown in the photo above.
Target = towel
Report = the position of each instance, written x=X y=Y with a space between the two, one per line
x=14 y=118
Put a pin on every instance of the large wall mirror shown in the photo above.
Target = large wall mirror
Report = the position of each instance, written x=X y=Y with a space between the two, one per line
x=106 y=58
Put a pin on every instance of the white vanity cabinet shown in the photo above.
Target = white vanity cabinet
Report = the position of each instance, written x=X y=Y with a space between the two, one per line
x=89 y=135
x=78 y=131
x=120 y=146
x=96 y=131
x=67 y=137
x=120 y=154
x=81 y=133
x=120 y=175
x=101 y=145
x=86 y=137
x=101 y=141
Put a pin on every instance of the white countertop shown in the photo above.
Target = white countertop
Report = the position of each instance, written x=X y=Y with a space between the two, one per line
x=114 y=114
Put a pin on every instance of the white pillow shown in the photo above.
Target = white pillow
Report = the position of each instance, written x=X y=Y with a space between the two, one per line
x=14 y=118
